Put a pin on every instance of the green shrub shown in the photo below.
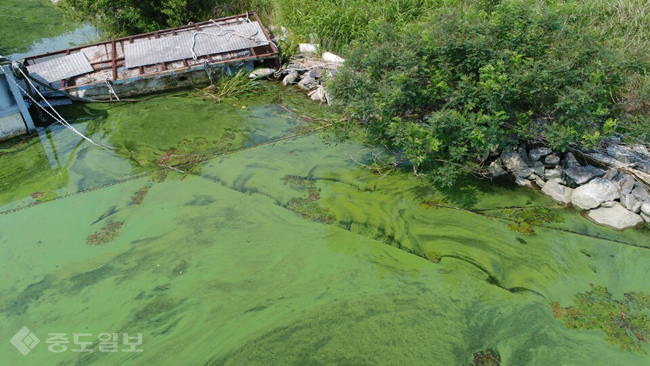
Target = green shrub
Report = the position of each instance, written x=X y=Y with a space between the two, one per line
x=336 y=23
x=466 y=81
x=127 y=17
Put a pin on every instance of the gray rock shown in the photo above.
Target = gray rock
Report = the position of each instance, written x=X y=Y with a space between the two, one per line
x=524 y=183
x=592 y=194
x=643 y=166
x=296 y=67
x=645 y=207
x=538 y=153
x=521 y=150
x=616 y=217
x=317 y=72
x=308 y=82
x=641 y=151
x=557 y=192
x=627 y=184
x=552 y=160
x=613 y=175
x=539 y=168
x=637 y=208
x=523 y=173
x=291 y=78
x=623 y=154
x=639 y=193
x=495 y=169
x=570 y=160
x=608 y=204
x=553 y=173
x=645 y=217
x=540 y=182
x=513 y=161
x=628 y=201
x=577 y=175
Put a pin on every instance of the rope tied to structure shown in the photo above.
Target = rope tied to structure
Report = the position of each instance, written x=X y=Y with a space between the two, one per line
x=55 y=115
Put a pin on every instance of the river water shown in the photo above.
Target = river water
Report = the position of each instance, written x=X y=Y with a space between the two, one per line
x=268 y=244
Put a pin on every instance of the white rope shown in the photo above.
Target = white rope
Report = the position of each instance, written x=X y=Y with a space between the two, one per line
x=111 y=91
x=223 y=32
x=58 y=117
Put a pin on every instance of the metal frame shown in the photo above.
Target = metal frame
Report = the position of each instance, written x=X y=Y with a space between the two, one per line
x=261 y=53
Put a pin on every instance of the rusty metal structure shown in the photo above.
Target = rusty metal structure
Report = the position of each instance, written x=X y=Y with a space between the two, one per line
x=156 y=61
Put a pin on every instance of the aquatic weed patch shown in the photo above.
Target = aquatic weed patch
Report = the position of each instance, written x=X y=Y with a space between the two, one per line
x=622 y=321
x=488 y=357
x=526 y=219
x=298 y=182
x=308 y=207
x=192 y=152
x=139 y=195
x=106 y=234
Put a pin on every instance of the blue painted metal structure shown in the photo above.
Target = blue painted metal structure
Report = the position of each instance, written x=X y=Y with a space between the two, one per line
x=11 y=99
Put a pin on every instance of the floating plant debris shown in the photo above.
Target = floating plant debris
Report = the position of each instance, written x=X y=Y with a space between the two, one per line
x=621 y=320
x=298 y=182
x=434 y=257
x=36 y=195
x=311 y=210
x=308 y=207
x=106 y=234
x=139 y=195
x=433 y=203
x=192 y=152
x=488 y=357
x=159 y=176
x=527 y=219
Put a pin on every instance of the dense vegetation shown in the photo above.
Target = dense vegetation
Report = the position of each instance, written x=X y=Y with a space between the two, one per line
x=447 y=91
x=445 y=83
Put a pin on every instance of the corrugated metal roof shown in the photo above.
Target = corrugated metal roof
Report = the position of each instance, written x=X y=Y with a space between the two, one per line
x=210 y=40
x=61 y=68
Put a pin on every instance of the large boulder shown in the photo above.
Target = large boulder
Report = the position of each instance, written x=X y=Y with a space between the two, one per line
x=495 y=169
x=523 y=173
x=623 y=154
x=616 y=217
x=552 y=160
x=645 y=208
x=524 y=182
x=553 y=173
x=639 y=193
x=539 y=168
x=630 y=202
x=577 y=175
x=592 y=194
x=570 y=160
x=538 y=153
x=558 y=192
x=513 y=161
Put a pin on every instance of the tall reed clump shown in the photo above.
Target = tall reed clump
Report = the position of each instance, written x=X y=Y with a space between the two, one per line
x=230 y=85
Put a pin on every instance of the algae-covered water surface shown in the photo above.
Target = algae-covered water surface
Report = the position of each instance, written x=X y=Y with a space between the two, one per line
x=242 y=233
x=237 y=233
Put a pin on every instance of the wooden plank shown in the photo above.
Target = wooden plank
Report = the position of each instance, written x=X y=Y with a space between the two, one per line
x=113 y=60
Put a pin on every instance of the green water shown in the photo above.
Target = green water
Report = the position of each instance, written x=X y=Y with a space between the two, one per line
x=213 y=268
x=29 y=27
